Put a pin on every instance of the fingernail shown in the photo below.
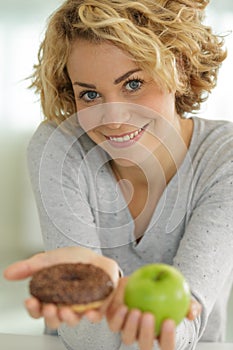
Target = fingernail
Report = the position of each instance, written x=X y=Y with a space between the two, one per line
x=123 y=310
x=195 y=313
x=169 y=325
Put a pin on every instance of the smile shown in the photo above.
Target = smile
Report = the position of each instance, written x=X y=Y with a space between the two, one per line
x=126 y=140
x=126 y=137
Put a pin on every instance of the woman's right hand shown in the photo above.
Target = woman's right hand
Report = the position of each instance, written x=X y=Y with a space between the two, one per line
x=52 y=314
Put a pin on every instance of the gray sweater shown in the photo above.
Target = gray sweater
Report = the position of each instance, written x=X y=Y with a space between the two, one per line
x=80 y=203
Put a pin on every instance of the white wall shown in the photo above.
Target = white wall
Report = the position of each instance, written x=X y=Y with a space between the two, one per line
x=219 y=104
x=21 y=28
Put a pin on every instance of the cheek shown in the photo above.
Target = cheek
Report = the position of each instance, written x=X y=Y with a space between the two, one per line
x=97 y=137
x=93 y=135
x=90 y=118
x=162 y=103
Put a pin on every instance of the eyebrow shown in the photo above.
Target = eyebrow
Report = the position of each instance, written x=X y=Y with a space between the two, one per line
x=116 y=81
x=126 y=75
x=89 y=86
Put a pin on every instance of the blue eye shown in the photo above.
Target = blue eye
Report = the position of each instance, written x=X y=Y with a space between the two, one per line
x=89 y=96
x=134 y=84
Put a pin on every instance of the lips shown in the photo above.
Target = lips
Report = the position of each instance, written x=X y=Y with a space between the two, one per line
x=127 y=139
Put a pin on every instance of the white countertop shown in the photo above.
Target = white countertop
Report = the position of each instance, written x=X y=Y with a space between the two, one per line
x=46 y=342
x=30 y=342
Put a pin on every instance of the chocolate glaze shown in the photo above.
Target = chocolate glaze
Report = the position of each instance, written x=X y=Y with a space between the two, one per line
x=70 y=284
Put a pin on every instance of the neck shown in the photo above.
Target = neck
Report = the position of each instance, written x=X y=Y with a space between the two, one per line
x=148 y=174
x=164 y=162
x=135 y=173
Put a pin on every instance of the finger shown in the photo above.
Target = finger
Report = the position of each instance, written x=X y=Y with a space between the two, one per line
x=94 y=316
x=147 y=332
x=50 y=313
x=18 y=271
x=194 y=310
x=106 y=304
x=130 y=327
x=167 y=337
x=117 y=299
x=25 y=268
x=33 y=307
x=117 y=320
x=69 y=317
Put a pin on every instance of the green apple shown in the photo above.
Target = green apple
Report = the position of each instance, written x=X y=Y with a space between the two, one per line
x=161 y=290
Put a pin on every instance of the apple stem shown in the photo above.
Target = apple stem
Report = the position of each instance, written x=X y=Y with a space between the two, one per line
x=161 y=274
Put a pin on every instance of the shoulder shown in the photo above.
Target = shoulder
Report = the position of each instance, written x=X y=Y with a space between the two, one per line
x=212 y=140
x=52 y=148
x=48 y=133
x=206 y=130
x=212 y=157
x=57 y=140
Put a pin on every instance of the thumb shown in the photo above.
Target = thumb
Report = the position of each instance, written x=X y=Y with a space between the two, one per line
x=194 y=310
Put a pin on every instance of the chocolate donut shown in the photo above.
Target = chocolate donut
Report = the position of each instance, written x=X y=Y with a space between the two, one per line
x=81 y=286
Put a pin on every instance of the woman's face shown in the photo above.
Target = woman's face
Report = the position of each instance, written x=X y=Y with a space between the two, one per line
x=119 y=106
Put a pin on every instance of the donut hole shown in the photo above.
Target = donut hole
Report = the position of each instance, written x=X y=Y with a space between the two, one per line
x=73 y=277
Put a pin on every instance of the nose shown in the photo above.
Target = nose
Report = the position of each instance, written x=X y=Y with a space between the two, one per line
x=114 y=114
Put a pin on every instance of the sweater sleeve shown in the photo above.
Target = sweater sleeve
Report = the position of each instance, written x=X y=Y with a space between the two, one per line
x=59 y=183
x=205 y=254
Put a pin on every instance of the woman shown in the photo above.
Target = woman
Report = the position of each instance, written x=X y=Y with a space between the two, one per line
x=121 y=170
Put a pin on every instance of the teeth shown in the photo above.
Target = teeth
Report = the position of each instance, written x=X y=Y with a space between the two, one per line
x=126 y=137
x=131 y=136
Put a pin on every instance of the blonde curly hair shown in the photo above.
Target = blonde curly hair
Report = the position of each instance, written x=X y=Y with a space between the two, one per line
x=167 y=38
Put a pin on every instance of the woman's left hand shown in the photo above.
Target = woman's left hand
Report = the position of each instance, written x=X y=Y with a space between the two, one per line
x=137 y=326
